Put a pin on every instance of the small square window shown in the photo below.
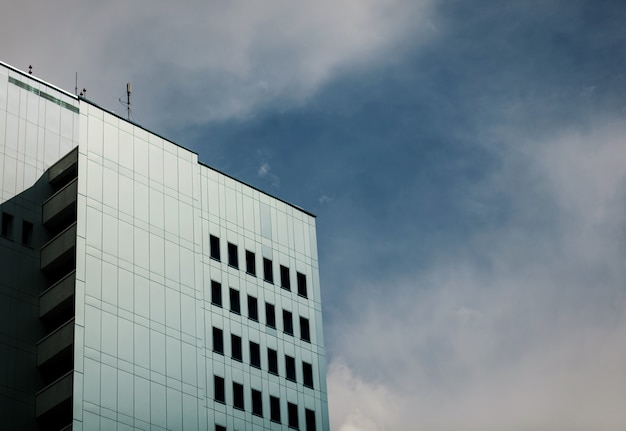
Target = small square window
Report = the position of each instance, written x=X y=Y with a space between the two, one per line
x=257 y=403
x=268 y=271
x=292 y=412
x=218 y=341
x=238 y=396
x=250 y=263
x=235 y=341
x=253 y=308
x=216 y=293
x=301 y=278
x=27 y=233
x=310 y=420
x=307 y=372
x=287 y=322
x=275 y=409
x=285 y=283
x=270 y=315
x=235 y=306
x=220 y=427
x=7 y=225
x=219 y=393
x=305 y=334
x=214 y=243
x=290 y=366
x=233 y=259
x=272 y=361
x=255 y=354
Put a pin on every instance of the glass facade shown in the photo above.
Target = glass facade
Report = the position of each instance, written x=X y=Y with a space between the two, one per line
x=151 y=225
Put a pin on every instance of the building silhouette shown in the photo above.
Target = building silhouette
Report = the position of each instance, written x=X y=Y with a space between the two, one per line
x=141 y=289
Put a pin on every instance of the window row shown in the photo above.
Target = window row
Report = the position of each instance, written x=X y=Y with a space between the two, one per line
x=253 y=311
x=6 y=229
x=268 y=267
x=293 y=420
x=255 y=357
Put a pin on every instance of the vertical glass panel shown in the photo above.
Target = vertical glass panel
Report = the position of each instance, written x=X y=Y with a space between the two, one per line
x=157 y=302
x=126 y=149
x=109 y=241
x=157 y=351
x=94 y=228
x=125 y=392
x=171 y=214
x=173 y=358
x=141 y=207
x=156 y=208
x=142 y=399
x=185 y=171
x=94 y=135
x=187 y=272
x=170 y=170
x=126 y=198
x=142 y=248
x=158 y=404
x=188 y=314
x=110 y=188
x=93 y=276
x=125 y=339
x=172 y=308
x=157 y=258
x=94 y=180
x=108 y=387
x=125 y=241
x=190 y=412
x=142 y=346
x=91 y=381
x=110 y=148
x=189 y=361
x=125 y=289
x=172 y=263
x=109 y=283
x=142 y=296
x=140 y=150
x=92 y=327
x=186 y=221
x=109 y=334
x=266 y=221
x=156 y=163
x=174 y=409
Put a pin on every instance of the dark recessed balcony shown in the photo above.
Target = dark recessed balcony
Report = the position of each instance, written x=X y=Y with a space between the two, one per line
x=60 y=208
x=60 y=251
x=65 y=169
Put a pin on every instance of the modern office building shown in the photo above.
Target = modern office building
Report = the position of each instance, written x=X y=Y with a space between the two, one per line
x=141 y=289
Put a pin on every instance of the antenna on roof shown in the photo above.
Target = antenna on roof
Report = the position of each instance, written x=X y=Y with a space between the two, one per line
x=30 y=69
x=128 y=89
x=76 y=85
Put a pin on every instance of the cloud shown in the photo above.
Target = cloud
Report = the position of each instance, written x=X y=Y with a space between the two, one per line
x=265 y=172
x=200 y=61
x=523 y=326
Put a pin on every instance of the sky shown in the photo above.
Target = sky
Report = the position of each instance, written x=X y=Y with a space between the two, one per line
x=466 y=162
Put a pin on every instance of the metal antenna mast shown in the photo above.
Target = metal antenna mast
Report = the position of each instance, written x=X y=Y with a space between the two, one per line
x=128 y=90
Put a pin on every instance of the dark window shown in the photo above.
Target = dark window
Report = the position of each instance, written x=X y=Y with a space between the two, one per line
x=235 y=342
x=275 y=409
x=304 y=329
x=310 y=420
x=290 y=365
x=7 y=225
x=285 y=283
x=307 y=372
x=272 y=361
x=219 y=394
x=287 y=322
x=233 y=260
x=250 y=263
x=292 y=413
x=27 y=233
x=257 y=403
x=301 y=284
x=270 y=316
x=218 y=341
x=255 y=354
x=238 y=396
x=216 y=293
x=253 y=309
x=220 y=428
x=215 y=247
x=268 y=272
x=235 y=306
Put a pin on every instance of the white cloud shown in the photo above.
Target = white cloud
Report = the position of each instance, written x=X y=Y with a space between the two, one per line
x=201 y=61
x=264 y=171
x=524 y=329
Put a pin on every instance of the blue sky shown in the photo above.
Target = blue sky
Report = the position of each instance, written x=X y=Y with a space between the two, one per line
x=466 y=161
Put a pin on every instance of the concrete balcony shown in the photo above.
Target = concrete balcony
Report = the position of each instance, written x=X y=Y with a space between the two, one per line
x=55 y=351
x=58 y=300
x=60 y=208
x=65 y=169
x=60 y=251
x=55 y=399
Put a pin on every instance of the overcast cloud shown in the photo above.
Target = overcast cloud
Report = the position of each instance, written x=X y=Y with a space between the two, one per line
x=466 y=160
